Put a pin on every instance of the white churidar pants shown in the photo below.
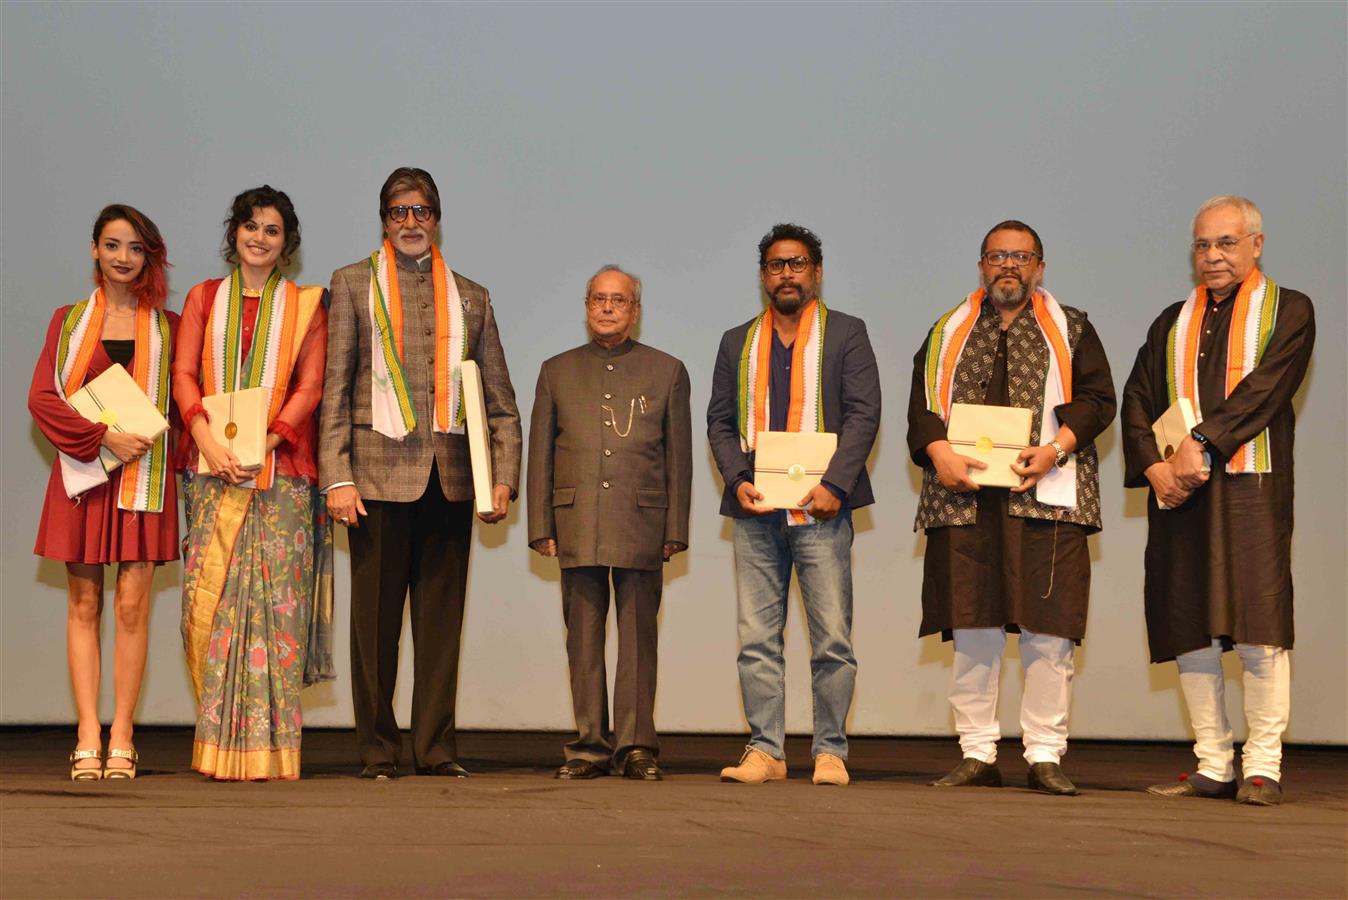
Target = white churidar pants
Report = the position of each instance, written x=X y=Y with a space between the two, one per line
x=1049 y=667
x=1268 y=698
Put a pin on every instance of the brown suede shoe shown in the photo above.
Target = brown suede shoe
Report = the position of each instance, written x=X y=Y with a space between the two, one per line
x=829 y=769
x=755 y=767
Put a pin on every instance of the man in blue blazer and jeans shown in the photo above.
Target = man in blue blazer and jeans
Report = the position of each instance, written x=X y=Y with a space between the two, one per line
x=797 y=366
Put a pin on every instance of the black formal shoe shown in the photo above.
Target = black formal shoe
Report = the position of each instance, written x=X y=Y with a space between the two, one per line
x=1195 y=786
x=971 y=773
x=1259 y=791
x=576 y=769
x=448 y=769
x=1048 y=778
x=380 y=771
x=640 y=766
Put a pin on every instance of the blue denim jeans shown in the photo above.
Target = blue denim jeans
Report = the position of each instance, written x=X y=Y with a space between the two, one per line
x=765 y=550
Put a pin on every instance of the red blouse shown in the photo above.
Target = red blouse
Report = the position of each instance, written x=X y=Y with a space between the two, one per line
x=295 y=423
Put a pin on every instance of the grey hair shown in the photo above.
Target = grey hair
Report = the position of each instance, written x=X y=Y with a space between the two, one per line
x=613 y=267
x=1254 y=219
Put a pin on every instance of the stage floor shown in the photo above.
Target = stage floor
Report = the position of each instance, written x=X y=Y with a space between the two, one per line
x=513 y=831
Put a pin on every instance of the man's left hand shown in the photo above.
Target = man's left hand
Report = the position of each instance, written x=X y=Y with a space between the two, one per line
x=1032 y=465
x=1191 y=469
x=821 y=503
x=500 y=504
x=671 y=548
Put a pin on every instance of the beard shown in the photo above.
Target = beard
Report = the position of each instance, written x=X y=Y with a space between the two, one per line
x=1011 y=296
x=788 y=304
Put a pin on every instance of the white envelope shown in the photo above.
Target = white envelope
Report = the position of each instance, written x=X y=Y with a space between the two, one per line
x=1172 y=427
x=479 y=437
x=990 y=434
x=788 y=464
x=238 y=422
x=115 y=399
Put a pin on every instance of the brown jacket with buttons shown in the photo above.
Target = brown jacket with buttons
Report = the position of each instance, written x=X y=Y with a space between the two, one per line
x=382 y=468
x=611 y=456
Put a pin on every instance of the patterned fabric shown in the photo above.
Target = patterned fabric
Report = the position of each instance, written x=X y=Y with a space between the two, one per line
x=284 y=313
x=1027 y=370
x=1252 y=320
x=143 y=479
x=806 y=412
x=394 y=415
x=349 y=449
x=257 y=616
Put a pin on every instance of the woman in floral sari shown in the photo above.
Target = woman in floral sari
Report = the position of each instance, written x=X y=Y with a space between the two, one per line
x=257 y=582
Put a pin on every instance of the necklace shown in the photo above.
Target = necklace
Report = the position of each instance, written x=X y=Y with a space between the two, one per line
x=613 y=418
x=126 y=315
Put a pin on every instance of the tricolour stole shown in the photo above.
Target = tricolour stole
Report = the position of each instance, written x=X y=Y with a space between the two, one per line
x=946 y=344
x=392 y=413
x=806 y=412
x=284 y=313
x=1252 y=320
x=143 y=479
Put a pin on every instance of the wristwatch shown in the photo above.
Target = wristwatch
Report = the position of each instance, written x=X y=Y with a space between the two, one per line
x=1202 y=441
x=1063 y=455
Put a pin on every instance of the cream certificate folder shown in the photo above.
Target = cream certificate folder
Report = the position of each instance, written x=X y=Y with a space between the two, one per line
x=990 y=434
x=238 y=422
x=115 y=400
x=479 y=439
x=1172 y=427
x=788 y=464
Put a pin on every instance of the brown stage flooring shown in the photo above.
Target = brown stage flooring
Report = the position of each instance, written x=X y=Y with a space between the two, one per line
x=513 y=831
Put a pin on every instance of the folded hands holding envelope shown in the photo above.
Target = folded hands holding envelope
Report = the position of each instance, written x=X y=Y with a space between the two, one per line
x=954 y=469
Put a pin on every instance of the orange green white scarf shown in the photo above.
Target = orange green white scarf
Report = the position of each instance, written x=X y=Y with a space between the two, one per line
x=283 y=317
x=945 y=346
x=1252 y=320
x=806 y=412
x=390 y=404
x=143 y=479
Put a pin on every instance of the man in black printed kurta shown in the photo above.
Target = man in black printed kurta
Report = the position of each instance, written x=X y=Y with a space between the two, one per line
x=1218 y=559
x=1014 y=560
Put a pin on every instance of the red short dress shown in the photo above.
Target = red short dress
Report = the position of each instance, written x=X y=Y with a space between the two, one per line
x=91 y=529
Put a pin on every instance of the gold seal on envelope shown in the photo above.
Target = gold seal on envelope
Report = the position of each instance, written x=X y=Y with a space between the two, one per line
x=1169 y=451
x=107 y=417
x=983 y=445
x=231 y=430
x=796 y=472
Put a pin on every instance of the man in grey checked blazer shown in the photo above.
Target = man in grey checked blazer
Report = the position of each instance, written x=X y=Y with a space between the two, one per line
x=408 y=505
x=610 y=477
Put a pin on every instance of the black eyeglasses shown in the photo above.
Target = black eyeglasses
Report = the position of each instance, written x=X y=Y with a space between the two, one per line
x=797 y=264
x=419 y=212
x=1020 y=257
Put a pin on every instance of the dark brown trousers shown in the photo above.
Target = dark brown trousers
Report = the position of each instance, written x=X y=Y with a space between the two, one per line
x=421 y=549
x=585 y=602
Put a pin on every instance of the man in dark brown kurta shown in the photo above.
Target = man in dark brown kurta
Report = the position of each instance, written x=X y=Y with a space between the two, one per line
x=1218 y=560
x=1004 y=560
x=610 y=480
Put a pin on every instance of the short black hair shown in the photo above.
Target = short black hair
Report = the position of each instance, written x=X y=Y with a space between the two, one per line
x=242 y=210
x=789 y=231
x=1012 y=225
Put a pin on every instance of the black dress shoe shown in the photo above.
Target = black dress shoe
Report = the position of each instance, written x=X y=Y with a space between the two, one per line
x=1259 y=791
x=577 y=769
x=971 y=773
x=381 y=771
x=1195 y=786
x=640 y=766
x=1048 y=778
x=448 y=769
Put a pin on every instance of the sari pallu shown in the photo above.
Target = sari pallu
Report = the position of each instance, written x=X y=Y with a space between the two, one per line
x=257 y=621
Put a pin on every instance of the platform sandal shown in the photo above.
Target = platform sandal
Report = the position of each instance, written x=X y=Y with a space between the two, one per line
x=86 y=773
x=128 y=772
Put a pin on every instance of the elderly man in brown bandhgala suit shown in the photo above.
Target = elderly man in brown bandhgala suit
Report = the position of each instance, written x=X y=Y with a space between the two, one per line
x=393 y=462
x=1219 y=554
x=610 y=475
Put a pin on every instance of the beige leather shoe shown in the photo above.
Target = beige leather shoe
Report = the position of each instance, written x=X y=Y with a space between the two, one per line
x=829 y=769
x=755 y=767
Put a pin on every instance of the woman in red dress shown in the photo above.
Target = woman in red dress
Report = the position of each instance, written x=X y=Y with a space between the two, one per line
x=129 y=516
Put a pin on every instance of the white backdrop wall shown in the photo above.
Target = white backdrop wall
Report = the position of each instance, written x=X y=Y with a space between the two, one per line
x=668 y=138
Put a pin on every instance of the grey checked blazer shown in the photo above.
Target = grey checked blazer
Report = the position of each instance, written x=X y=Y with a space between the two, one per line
x=349 y=449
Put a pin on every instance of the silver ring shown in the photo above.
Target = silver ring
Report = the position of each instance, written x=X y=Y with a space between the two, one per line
x=344 y=520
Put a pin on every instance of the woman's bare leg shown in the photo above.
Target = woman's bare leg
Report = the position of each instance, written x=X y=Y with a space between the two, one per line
x=131 y=605
x=84 y=607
